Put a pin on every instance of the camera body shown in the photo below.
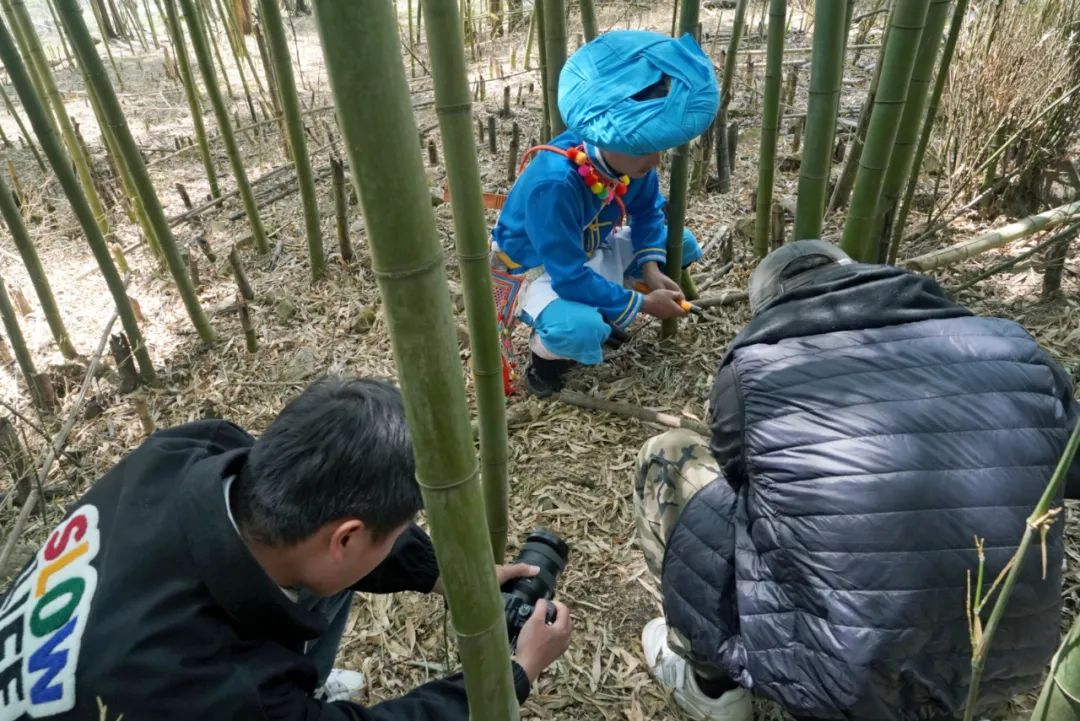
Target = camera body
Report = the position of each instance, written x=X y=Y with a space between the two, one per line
x=549 y=553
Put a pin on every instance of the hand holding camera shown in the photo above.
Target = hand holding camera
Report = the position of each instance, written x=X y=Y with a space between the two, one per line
x=541 y=643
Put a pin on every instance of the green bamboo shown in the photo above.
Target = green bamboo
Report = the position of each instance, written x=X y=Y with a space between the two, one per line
x=554 y=28
x=150 y=22
x=4 y=138
x=770 y=124
x=133 y=17
x=27 y=138
x=39 y=67
x=908 y=18
x=927 y=128
x=826 y=77
x=380 y=133
x=105 y=36
x=36 y=271
x=128 y=154
x=191 y=91
x=278 y=47
x=209 y=33
x=239 y=47
x=588 y=20
x=454 y=109
x=237 y=58
x=18 y=346
x=982 y=649
x=720 y=127
x=907 y=135
x=213 y=92
x=541 y=45
x=16 y=25
x=1060 y=697
x=66 y=177
x=680 y=175
x=63 y=40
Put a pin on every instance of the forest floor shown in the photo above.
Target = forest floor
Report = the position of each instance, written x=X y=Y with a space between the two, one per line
x=571 y=469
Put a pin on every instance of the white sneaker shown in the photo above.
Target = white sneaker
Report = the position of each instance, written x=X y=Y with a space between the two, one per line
x=341 y=685
x=672 y=670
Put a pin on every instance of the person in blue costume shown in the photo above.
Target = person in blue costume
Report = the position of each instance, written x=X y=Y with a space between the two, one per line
x=584 y=223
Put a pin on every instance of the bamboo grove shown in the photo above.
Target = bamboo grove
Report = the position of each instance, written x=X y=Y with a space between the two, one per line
x=856 y=177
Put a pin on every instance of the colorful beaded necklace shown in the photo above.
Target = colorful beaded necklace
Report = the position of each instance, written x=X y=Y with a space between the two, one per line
x=606 y=189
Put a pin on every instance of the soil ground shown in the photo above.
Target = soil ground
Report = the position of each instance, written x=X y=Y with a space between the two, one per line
x=571 y=469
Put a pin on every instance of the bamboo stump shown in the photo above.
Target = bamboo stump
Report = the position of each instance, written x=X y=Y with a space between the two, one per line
x=776 y=239
x=238 y=273
x=340 y=213
x=493 y=141
x=125 y=363
x=250 y=339
x=515 y=142
x=432 y=152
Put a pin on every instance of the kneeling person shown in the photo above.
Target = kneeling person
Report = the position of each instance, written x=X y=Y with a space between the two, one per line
x=626 y=97
x=209 y=575
x=815 y=548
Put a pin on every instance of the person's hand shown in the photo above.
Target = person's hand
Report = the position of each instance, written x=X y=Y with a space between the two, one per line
x=540 y=644
x=664 y=303
x=503 y=573
x=656 y=280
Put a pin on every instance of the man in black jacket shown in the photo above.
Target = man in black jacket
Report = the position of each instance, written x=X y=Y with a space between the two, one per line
x=865 y=431
x=209 y=575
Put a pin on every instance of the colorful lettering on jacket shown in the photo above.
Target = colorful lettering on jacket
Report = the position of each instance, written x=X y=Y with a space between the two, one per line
x=43 y=618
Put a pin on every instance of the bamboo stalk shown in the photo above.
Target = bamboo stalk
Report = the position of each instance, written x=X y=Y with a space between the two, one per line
x=150 y=22
x=994 y=238
x=541 y=43
x=770 y=125
x=454 y=110
x=239 y=274
x=588 y=20
x=63 y=40
x=66 y=177
x=903 y=154
x=1039 y=518
x=927 y=127
x=128 y=153
x=380 y=134
x=679 y=180
x=202 y=53
x=554 y=58
x=340 y=211
x=22 y=128
x=908 y=18
x=826 y=78
x=278 y=47
x=724 y=153
x=43 y=397
x=191 y=92
x=38 y=277
x=251 y=340
x=102 y=24
x=37 y=62
x=208 y=31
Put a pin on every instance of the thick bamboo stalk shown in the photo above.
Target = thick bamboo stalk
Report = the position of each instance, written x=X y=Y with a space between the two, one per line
x=588 y=19
x=770 y=124
x=826 y=76
x=27 y=138
x=191 y=92
x=380 y=134
x=679 y=180
x=270 y=19
x=994 y=238
x=903 y=153
x=128 y=154
x=554 y=28
x=908 y=18
x=1038 y=519
x=202 y=53
x=35 y=382
x=454 y=109
x=39 y=66
x=927 y=127
x=36 y=271
x=66 y=177
x=541 y=44
x=842 y=191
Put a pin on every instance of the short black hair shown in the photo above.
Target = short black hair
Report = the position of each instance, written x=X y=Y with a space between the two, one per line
x=659 y=89
x=341 y=449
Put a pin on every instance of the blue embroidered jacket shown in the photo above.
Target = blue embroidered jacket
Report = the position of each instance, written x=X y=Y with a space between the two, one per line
x=552 y=219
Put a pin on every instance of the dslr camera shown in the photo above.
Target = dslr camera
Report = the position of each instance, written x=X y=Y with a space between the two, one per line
x=543 y=549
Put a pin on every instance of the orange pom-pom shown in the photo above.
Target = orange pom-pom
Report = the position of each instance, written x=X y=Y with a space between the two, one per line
x=581 y=158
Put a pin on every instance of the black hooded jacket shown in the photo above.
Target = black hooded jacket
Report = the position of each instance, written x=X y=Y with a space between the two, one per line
x=146 y=598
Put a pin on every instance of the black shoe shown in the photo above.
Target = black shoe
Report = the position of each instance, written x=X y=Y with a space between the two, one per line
x=617 y=337
x=544 y=376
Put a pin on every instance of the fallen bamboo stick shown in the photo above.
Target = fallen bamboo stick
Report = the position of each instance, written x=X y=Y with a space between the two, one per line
x=994 y=238
x=631 y=411
x=728 y=297
x=54 y=449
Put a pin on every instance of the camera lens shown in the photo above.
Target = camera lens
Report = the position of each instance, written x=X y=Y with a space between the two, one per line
x=543 y=549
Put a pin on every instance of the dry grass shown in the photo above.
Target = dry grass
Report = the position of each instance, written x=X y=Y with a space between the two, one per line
x=571 y=470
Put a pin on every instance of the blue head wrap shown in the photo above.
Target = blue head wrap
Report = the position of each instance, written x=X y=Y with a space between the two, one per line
x=598 y=82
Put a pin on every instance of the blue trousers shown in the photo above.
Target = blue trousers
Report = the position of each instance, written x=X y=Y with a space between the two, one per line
x=577 y=331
